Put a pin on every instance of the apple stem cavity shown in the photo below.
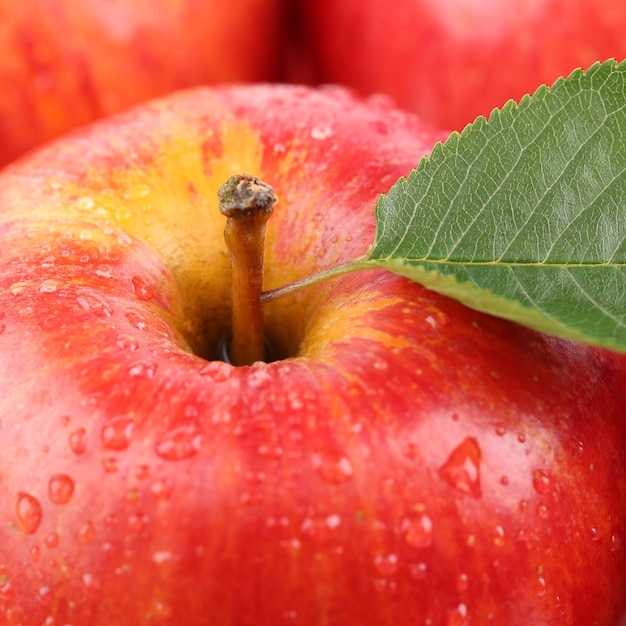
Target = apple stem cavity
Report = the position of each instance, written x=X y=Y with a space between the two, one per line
x=247 y=202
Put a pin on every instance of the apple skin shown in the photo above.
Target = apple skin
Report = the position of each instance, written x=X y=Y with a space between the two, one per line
x=406 y=461
x=69 y=62
x=453 y=60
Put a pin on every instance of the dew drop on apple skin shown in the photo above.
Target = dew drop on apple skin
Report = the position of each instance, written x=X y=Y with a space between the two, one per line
x=418 y=571
x=142 y=369
x=29 y=513
x=141 y=289
x=136 y=320
x=457 y=616
x=542 y=482
x=334 y=469
x=386 y=564
x=161 y=490
x=179 y=444
x=462 y=468
x=116 y=434
x=35 y=553
x=44 y=596
x=128 y=342
x=417 y=530
x=86 y=533
x=219 y=371
x=90 y=583
x=78 y=441
x=60 y=489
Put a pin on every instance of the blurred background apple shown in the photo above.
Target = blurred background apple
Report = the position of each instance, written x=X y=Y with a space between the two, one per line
x=68 y=62
x=452 y=60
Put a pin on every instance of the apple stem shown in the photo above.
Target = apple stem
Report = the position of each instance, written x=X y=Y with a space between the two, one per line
x=247 y=202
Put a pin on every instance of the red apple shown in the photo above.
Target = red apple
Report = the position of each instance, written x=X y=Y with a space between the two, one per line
x=68 y=62
x=405 y=461
x=452 y=60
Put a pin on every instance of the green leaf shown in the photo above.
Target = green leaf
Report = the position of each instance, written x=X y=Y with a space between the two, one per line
x=523 y=216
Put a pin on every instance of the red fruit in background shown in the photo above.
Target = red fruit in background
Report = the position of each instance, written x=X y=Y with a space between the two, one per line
x=408 y=461
x=68 y=62
x=452 y=60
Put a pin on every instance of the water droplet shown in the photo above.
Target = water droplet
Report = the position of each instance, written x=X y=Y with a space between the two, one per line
x=431 y=321
x=504 y=480
x=136 y=320
x=104 y=271
x=117 y=433
x=143 y=369
x=321 y=131
x=142 y=289
x=295 y=401
x=29 y=513
x=594 y=534
x=65 y=420
x=78 y=441
x=462 y=582
x=161 y=611
x=18 y=288
x=457 y=616
x=179 y=444
x=386 y=564
x=259 y=377
x=49 y=286
x=60 y=489
x=615 y=542
x=219 y=371
x=111 y=521
x=540 y=587
x=44 y=595
x=137 y=523
x=333 y=521
x=521 y=437
x=92 y=302
x=462 y=469
x=542 y=510
x=138 y=191
x=127 y=342
x=417 y=530
x=86 y=533
x=542 y=482
x=289 y=617
x=255 y=478
x=52 y=540
x=109 y=463
x=272 y=452
x=334 y=469
x=35 y=553
x=142 y=471
x=500 y=429
x=320 y=527
x=85 y=202
x=498 y=539
x=418 y=571
x=251 y=499
x=90 y=583
x=162 y=556
x=162 y=489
